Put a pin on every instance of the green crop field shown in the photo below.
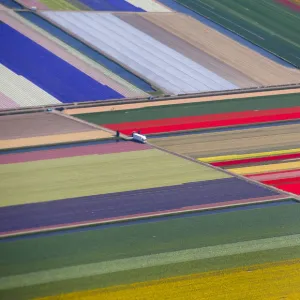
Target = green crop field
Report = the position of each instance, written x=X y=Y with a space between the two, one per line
x=192 y=109
x=48 y=265
x=265 y=23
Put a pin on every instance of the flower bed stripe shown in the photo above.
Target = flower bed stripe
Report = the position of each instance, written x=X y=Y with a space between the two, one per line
x=106 y=267
x=266 y=168
x=248 y=155
x=116 y=147
x=132 y=204
x=209 y=121
x=256 y=160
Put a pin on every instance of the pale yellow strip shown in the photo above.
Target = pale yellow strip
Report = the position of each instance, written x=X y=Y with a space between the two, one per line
x=249 y=155
x=266 y=168
x=54 y=139
x=259 y=282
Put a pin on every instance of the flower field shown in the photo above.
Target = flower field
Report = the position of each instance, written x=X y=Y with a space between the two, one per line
x=206 y=206
x=276 y=168
x=80 y=260
x=228 y=284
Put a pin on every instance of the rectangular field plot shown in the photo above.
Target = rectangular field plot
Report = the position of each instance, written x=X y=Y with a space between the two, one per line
x=165 y=67
x=166 y=248
x=55 y=179
x=129 y=205
x=233 y=142
x=257 y=21
x=234 y=62
x=35 y=129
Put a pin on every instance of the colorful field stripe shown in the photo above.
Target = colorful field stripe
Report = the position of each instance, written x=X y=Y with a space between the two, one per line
x=266 y=168
x=271 y=281
x=292 y=188
x=224 y=158
x=208 y=121
x=276 y=182
x=275 y=175
x=133 y=204
x=116 y=147
x=256 y=160
x=159 y=259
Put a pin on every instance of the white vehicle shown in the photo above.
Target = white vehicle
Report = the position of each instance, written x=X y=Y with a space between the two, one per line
x=139 y=137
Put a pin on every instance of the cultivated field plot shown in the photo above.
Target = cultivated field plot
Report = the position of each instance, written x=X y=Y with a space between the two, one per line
x=99 y=5
x=51 y=75
x=138 y=51
x=91 y=184
x=279 y=168
x=178 y=246
x=268 y=154
x=232 y=61
x=44 y=128
x=257 y=21
x=231 y=142
x=194 y=116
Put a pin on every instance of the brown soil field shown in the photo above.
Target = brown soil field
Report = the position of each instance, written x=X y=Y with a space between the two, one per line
x=233 y=141
x=24 y=130
x=54 y=139
x=87 y=110
x=39 y=124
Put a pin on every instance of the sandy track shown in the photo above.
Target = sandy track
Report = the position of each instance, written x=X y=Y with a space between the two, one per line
x=87 y=110
x=233 y=142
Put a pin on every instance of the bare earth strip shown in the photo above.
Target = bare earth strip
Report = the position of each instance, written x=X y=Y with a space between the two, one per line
x=87 y=110
x=54 y=139
x=39 y=124
x=233 y=142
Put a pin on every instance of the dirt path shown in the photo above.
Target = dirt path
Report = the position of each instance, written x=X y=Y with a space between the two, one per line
x=178 y=101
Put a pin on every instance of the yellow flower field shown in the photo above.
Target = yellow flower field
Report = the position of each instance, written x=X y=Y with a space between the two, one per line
x=267 y=282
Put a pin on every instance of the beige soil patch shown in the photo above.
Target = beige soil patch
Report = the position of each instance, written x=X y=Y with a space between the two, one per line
x=177 y=101
x=54 y=139
x=39 y=124
x=35 y=129
x=233 y=142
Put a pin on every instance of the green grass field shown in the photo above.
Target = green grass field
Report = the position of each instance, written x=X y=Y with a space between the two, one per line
x=192 y=109
x=56 y=179
x=263 y=22
x=61 y=253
